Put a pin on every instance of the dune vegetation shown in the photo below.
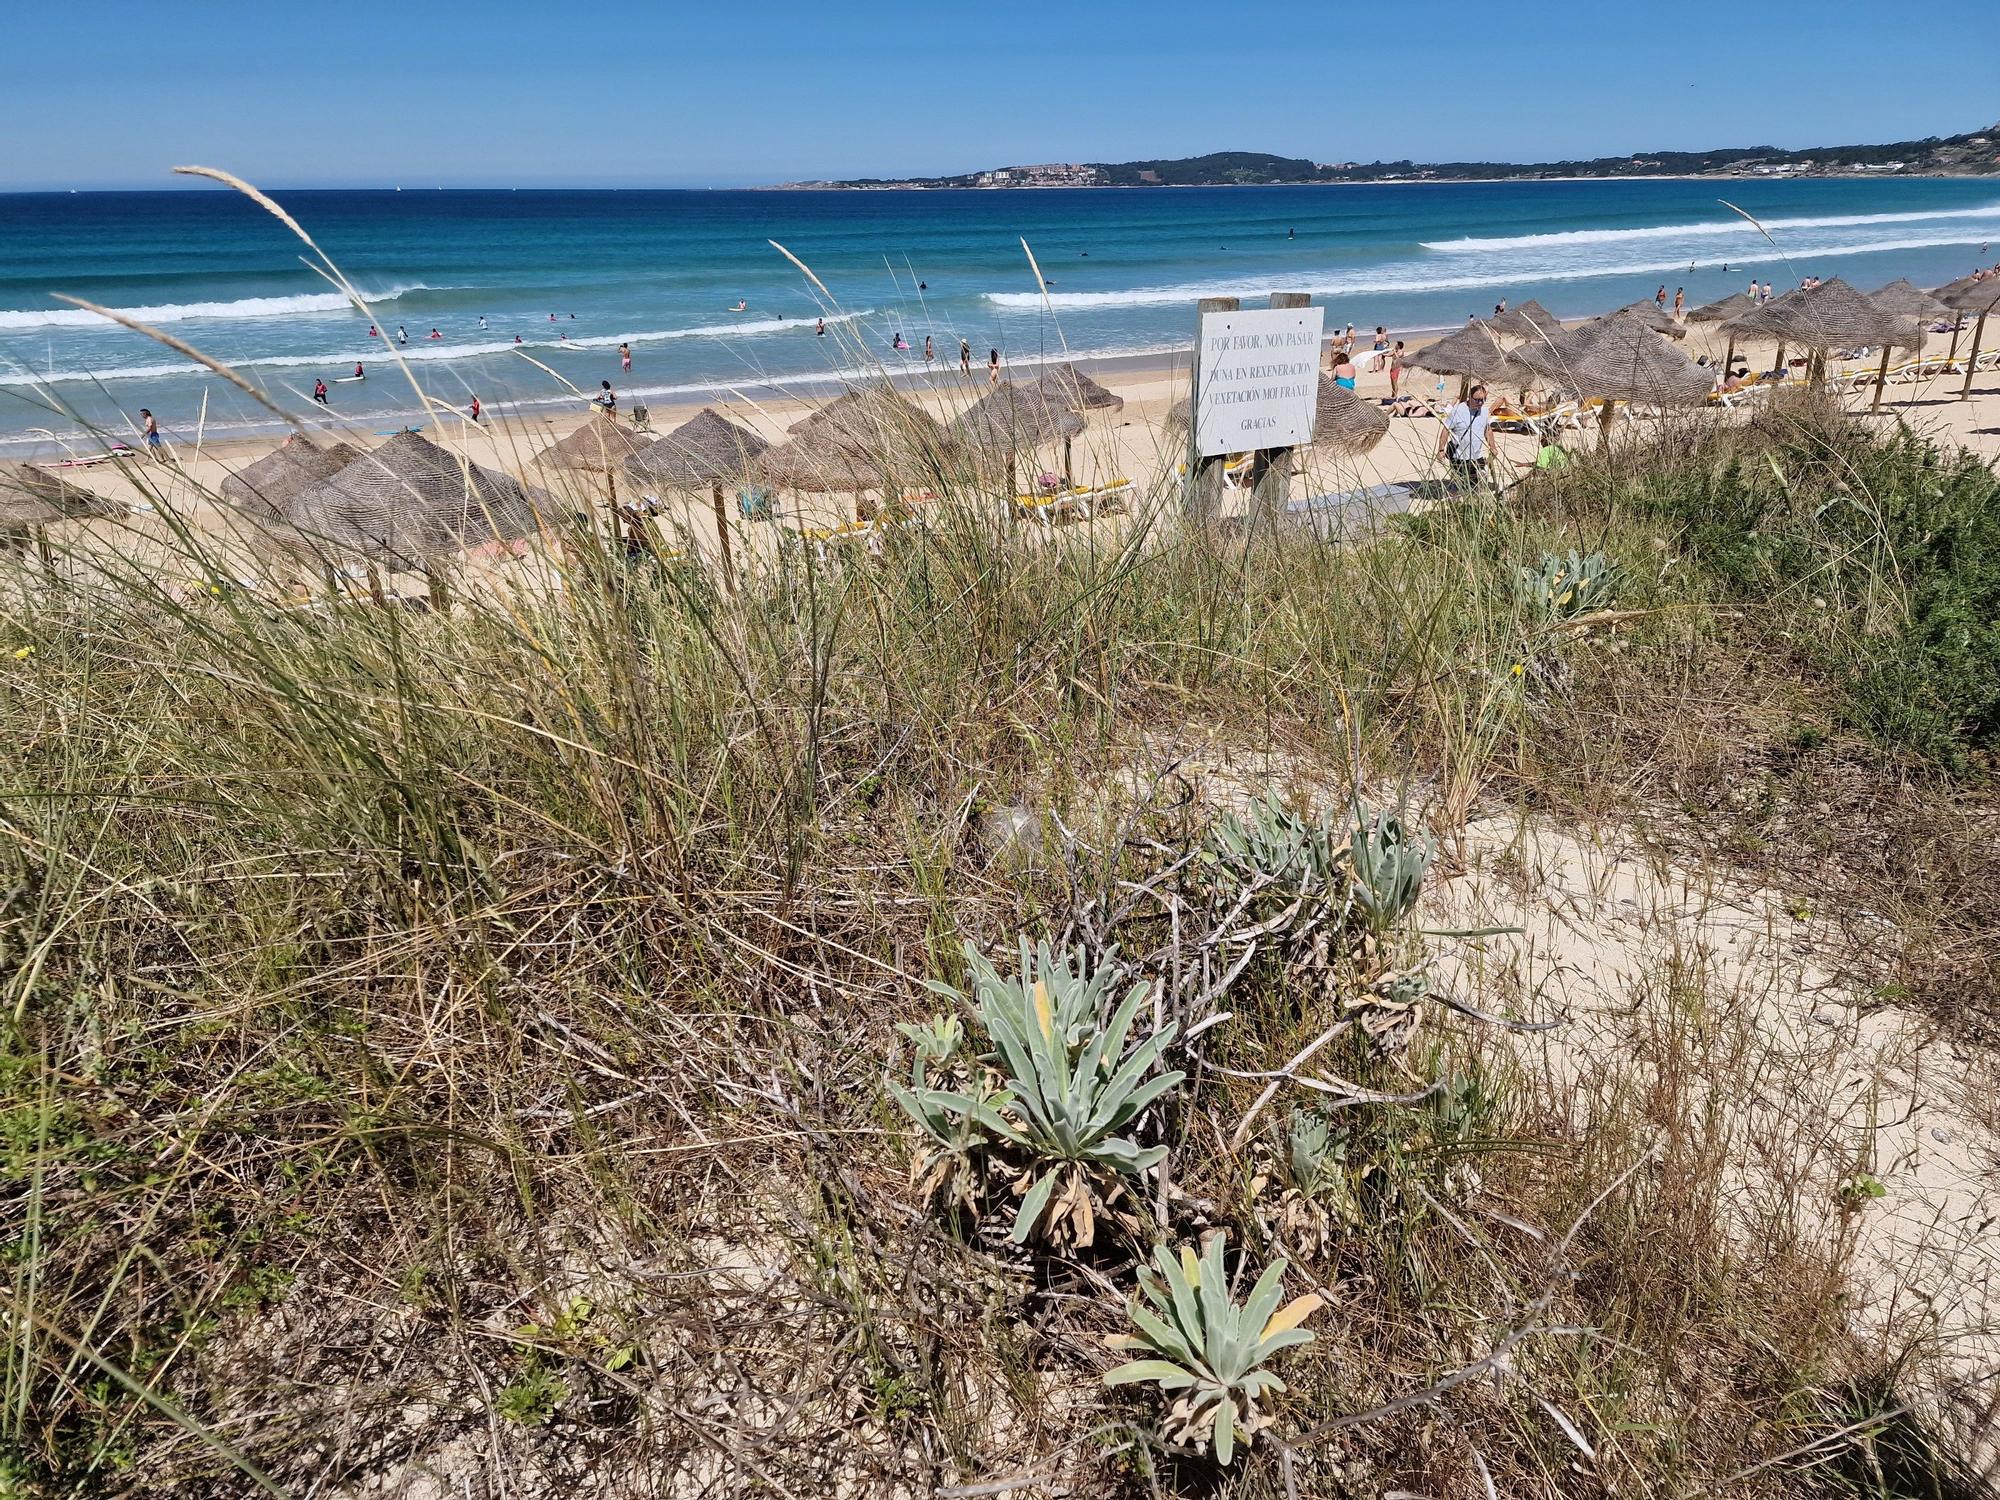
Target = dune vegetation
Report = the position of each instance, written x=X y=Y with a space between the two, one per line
x=991 y=1015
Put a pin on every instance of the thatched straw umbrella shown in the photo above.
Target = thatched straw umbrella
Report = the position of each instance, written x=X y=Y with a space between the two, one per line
x=1619 y=359
x=1980 y=298
x=1010 y=420
x=1471 y=354
x=30 y=498
x=1077 y=391
x=1906 y=303
x=294 y=466
x=1826 y=317
x=1723 y=312
x=1735 y=305
x=1651 y=315
x=1530 y=320
x=410 y=503
x=856 y=443
x=1345 y=424
x=707 y=449
x=600 y=446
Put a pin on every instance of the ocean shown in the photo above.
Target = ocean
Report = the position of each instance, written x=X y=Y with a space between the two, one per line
x=574 y=274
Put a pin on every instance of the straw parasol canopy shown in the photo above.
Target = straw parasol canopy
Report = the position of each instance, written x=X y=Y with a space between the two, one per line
x=1014 y=419
x=705 y=449
x=1651 y=315
x=1345 y=424
x=289 y=469
x=1078 y=391
x=855 y=442
x=32 y=497
x=1828 y=316
x=410 y=501
x=1901 y=299
x=598 y=446
x=1471 y=352
x=1981 y=299
x=1619 y=359
x=1734 y=306
x=1530 y=320
x=1968 y=295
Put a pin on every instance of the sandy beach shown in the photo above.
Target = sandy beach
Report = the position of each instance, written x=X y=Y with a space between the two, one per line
x=1133 y=443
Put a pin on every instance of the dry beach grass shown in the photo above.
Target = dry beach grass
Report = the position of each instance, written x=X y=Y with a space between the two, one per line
x=447 y=1049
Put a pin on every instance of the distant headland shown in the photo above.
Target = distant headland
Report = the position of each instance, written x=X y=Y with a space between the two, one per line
x=1973 y=154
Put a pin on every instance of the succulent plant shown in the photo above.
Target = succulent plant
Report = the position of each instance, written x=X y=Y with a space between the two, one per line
x=1071 y=1085
x=1208 y=1349
x=1389 y=865
x=1564 y=585
x=1276 y=844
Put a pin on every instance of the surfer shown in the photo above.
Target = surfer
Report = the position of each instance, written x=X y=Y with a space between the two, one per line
x=359 y=373
x=742 y=305
x=319 y=391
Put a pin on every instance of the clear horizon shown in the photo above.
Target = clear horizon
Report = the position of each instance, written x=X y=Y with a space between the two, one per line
x=524 y=97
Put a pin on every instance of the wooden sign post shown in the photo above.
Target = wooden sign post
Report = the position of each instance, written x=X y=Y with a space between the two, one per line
x=1256 y=388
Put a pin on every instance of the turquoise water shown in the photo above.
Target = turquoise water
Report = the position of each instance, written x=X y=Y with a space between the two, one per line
x=663 y=272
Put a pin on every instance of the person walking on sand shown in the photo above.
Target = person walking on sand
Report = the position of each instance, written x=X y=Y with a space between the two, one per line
x=319 y=391
x=607 y=399
x=1680 y=303
x=625 y=358
x=151 y=429
x=965 y=357
x=930 y=351
x=1660 y=298
x=1462 y=440
x=473 y=410
x=992 y=366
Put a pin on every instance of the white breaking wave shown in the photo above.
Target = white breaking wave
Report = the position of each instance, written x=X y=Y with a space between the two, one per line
x=1429 y=276
x=418 y=351
x=1730 y=225
x=180 y=312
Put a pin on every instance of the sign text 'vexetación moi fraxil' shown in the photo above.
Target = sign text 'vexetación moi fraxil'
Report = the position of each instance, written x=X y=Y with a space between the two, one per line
x=1256 y=379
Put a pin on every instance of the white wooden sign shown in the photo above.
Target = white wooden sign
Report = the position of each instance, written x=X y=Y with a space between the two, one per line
x=1257 y=379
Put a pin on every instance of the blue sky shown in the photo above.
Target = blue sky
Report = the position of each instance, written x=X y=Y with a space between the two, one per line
x=629 y=92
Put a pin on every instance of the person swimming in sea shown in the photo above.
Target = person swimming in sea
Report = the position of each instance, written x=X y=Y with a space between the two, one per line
x=517 y=338
x=435 y=334
x=372 y=333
